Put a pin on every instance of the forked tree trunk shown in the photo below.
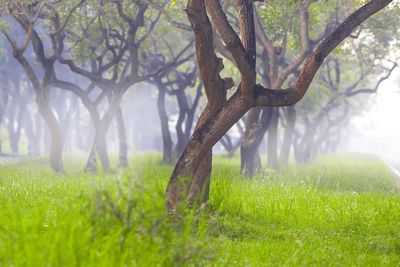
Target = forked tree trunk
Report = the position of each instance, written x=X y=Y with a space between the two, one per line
x=99 y=146
x=213 y=125
x=99 y=142
x=200 y=143
x=288 y=136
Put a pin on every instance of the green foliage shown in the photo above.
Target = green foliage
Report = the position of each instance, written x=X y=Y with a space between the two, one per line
x=340 y=210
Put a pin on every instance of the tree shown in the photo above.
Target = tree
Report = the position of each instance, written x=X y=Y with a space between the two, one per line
x=107 y=38
x=220 y=113
x=26 y=14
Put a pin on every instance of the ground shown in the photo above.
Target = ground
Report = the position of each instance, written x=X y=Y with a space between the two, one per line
x=336 y=210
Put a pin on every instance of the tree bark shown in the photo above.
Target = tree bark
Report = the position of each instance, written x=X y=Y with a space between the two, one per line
x=215 y=124
x=200 y=187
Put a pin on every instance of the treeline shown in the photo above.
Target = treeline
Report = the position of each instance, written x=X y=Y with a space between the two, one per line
x=101 y=50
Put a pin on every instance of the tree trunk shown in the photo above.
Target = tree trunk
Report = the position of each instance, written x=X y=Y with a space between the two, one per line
x=273 y=140
x=250 y=158
x=210 y=128
x=99 y=146
x=288 y=135
x=306 y=144
x=123 y=143
x=166 y=135
x=33 y=142
x=181 y=137
x=200 y=187
x=247 y=154
x=56 y=144
x=213 y=125
x=38 y=132
x=99 y=142
x=226 y=142
x=80 y=143
x=14 y=133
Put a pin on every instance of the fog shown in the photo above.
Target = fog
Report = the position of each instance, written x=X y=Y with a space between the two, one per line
x=371 y=127
x=377 y=129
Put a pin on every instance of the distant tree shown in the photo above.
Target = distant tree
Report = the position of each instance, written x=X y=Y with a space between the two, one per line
x=26 y=14
x=106 y=38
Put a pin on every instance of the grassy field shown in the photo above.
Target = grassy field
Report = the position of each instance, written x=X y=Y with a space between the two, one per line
x=336 y=210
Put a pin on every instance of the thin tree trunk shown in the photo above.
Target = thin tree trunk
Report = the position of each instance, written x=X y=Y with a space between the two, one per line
x=14 y=133
x=181 y=137
x=273 y=140
x=166 y=135
x=247 y=154
x=98 y=146
x=249 y=149
x=33 y=142
x=38 y=132
x=123 y=143
x=306 y=144
x=288 y=135
x=56 y=144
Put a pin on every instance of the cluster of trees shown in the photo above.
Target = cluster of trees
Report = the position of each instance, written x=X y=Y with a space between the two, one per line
x=97 y=50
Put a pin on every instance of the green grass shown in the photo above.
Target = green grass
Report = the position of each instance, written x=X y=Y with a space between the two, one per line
x=336 y=210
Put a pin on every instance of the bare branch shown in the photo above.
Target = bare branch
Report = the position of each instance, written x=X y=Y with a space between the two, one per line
x=168 y=16
x=374 y=89
x=267 y=97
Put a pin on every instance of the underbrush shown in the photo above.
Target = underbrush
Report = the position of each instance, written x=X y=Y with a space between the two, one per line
x=337 y=210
